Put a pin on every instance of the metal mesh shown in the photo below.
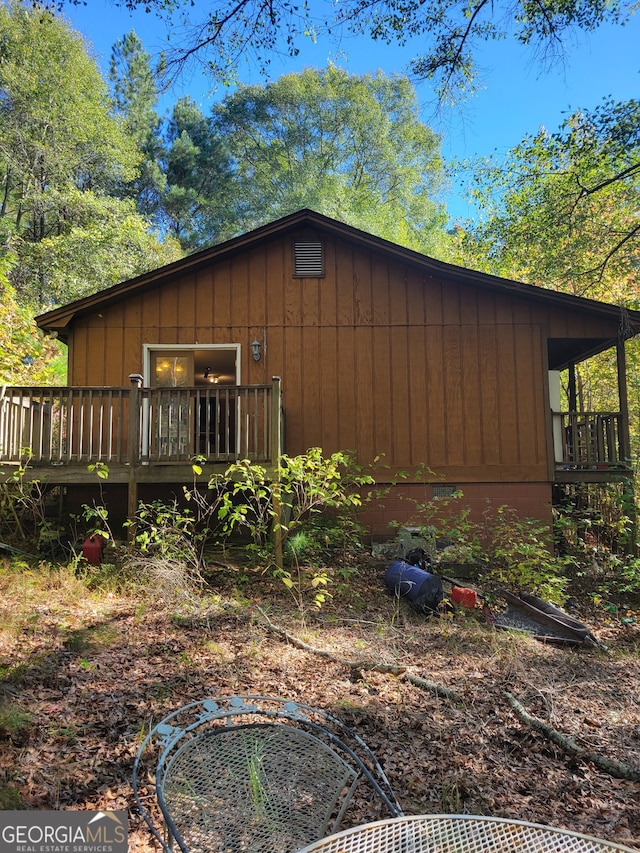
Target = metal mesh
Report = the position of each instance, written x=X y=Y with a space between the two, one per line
x=251 y=774
x=254 y=788
x=459 y=834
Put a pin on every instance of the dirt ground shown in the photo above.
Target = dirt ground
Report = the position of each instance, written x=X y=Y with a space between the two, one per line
x=82 y=676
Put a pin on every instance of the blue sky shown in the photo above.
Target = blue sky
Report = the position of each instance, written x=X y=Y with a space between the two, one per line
x=516 y=97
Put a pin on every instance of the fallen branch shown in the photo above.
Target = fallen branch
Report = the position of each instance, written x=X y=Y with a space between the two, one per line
x=362 y=665
x=608 y=765
x=371 y=666
x=432 y=687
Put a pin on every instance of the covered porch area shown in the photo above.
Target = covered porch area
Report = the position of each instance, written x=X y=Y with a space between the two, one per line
x=589 y=444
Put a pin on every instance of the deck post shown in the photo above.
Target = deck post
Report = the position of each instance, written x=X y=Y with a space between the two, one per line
x=625 y=446
x=276 y=417
x=573 y=396
x=276 y=451
x=624 y=438
x=133 y=448
x=133 y=436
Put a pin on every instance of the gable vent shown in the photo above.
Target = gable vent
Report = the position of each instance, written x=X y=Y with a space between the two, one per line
x=308 y=259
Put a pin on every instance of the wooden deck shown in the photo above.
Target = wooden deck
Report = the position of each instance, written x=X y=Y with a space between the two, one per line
x=592 y=447
x=62 y=431
x=145 y=434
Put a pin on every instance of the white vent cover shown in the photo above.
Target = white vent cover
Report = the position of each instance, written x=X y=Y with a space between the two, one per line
x=308 y=259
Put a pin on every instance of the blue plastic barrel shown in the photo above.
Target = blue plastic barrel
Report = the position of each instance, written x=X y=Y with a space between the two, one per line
x=421 y=588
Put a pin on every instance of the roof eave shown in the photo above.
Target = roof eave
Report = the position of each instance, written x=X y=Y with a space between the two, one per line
x=59 y=319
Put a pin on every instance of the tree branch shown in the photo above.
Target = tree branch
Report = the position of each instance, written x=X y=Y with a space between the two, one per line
x=601 y=267
x=365 y=665
x=202 y=41
x=585 y=191
x=465 y=37
x=608 y=765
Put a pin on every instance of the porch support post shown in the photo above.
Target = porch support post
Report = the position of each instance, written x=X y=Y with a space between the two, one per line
x=133 y=448
x=625 y=447
x=571 y=451
x=573 y=396
x=276 y=420
x=276 y=452
x=625 y=439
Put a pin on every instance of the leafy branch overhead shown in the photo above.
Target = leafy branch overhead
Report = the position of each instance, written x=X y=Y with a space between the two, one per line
x=561 y=209
x=445 y=34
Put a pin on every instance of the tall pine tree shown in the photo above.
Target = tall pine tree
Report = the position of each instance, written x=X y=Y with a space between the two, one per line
x=135 y=92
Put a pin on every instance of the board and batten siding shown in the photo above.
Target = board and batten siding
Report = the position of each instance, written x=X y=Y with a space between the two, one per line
x=375 y=357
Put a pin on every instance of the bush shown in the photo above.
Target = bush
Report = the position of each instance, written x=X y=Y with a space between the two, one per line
x=508 y=551
x=609 y=576
x=302 y=488
x=518 y=555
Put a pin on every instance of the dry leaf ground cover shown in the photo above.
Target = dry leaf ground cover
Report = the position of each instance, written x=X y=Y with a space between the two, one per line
x=83 y=674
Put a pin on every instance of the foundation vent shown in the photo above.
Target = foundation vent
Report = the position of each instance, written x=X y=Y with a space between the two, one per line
x=444 y=491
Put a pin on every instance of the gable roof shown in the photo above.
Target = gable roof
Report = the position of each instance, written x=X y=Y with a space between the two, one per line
x=60 y=319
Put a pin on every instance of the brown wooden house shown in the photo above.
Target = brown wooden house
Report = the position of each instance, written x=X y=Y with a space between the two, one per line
x=308 y=332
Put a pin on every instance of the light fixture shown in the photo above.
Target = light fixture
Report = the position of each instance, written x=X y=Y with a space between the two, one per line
x=255 y=347
x=212 y=377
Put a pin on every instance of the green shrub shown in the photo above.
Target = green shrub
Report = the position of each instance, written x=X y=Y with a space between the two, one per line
x=609 y=576
x=303 y=548
x=509 y=551
x=518 y=555
x=254 y=502
x=308 y=501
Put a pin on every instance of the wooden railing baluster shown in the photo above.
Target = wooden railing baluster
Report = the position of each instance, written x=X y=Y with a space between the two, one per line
x=80 y=425
x=593 y=439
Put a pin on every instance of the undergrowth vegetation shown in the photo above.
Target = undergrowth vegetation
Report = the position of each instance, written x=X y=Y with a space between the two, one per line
x=198 y=603
x=301 y=525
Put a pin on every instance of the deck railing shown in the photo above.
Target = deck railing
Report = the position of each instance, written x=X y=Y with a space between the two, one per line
x=134 y=425
x=593 y=439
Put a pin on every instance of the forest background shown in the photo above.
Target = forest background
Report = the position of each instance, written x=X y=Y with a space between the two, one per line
x=103 y=176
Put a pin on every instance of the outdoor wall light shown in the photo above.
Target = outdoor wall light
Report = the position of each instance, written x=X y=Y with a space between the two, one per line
x=212 y=377
x=255 y=347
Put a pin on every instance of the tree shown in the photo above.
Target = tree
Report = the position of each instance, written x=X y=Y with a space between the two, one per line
x=135 y=92
x=197 y=206
x=352 y=147
x=108 y=243
x=232 y=29
x=26 y=355
x=62 y=156
x=561 y=209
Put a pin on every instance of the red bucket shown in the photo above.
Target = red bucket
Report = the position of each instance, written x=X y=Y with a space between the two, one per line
x=464 y=596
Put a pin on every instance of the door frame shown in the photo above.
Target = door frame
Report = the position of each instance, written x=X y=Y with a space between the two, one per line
x=147 y=349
